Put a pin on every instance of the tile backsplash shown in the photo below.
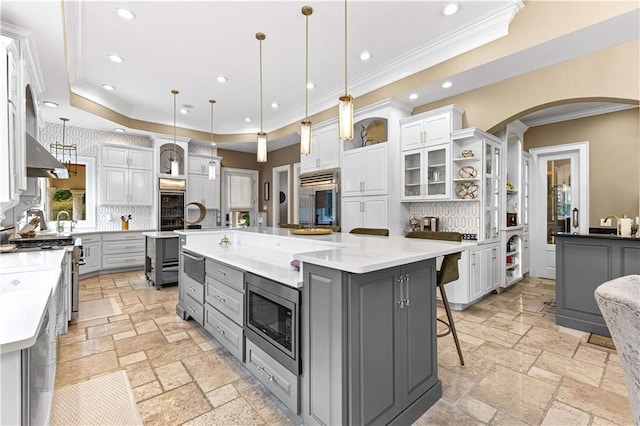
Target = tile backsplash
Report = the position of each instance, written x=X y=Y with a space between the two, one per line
x=460 y=216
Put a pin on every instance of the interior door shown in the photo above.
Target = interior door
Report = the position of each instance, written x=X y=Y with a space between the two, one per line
x=560 y=203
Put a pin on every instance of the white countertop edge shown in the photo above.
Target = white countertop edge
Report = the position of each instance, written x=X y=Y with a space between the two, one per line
x=161 y=234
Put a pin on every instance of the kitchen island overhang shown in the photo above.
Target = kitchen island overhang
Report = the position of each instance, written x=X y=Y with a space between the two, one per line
x=366 y=302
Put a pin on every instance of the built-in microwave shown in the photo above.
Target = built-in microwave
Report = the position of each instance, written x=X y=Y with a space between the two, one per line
x=272 y=320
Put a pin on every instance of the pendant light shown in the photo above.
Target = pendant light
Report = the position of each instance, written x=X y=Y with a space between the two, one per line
x=212 y=163
x=262 y=136
x=305 y=127
x=66 y=154
x=175 y=166
x=345 y=102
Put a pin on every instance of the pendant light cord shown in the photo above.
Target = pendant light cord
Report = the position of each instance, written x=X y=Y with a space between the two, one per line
x=306 y=71
x=345 y=47
x=175 y=93
x=261 y=129
x=211 y=101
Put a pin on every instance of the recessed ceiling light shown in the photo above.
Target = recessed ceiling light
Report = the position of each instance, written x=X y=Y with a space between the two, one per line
x=447 y=84
x=274 y=105
x=310 y=85
x=413 y=96
x=184 y=111
x=126 y=14
x=108 y=87
x=115 y=58
x=451 y=9
x=247 y=119
x=50 y=104
x=119 y=130
x=213 y=144
x=222 y=79
x=365 y=56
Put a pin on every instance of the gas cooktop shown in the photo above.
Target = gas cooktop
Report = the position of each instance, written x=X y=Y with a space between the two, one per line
x=43 y=242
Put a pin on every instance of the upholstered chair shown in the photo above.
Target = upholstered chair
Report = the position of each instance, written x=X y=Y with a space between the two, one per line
x=619 y=302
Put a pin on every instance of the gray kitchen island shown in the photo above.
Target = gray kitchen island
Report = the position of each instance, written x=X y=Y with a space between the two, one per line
x=583 y=262
x=359 y=339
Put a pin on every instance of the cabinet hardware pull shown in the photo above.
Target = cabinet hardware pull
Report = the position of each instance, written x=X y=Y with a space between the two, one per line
x=221 y=273
x=264 y=371
x=193 y=311
x=406 y=284
x=402 y=299
x=193 y=289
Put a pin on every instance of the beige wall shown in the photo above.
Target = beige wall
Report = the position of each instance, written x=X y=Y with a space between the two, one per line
x=614 y=158
x=280 y=157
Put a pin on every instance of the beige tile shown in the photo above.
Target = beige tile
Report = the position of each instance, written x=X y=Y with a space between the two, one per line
x=608 y=405
x=558 y=343
x=147 y=391
x=573 y=332
x=590 y=355
x=443 y=413
x=474 y=313
x=613 y=379
x=511 y=358
x=517 y=394
x=562 y=414
x=201 y=365
x=172 y=324
x=504 y=419
x=139 y=373
x=116 y=318
x=567 y=367
x=178 y=336
x=476 y=409
x=80 y=369
x=173 y=351
x=67 y=339
x=222 y=395
x=124 y=335
x=174 y=407
x=547 y=376
x=487 y=333
x=130 y=300
x=198 y=335
x=133 y=308
x=146 y=327
x=208 y=345
x=599 y=421
x=475 y=367
x=109 y=329
x=85 y=348
x=155 y=298
x=89 y=323
x=454 y=386
x=527 y=349
x=133 y=358
x=146 y=314
x=539 y=321
x=236 y=412
x=509 y=325
x=140 y=343
x=172 y=375
x=470 y=339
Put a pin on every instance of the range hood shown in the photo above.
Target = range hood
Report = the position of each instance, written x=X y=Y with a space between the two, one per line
x=40 y=162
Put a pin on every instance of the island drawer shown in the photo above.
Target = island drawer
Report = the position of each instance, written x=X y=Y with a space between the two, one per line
x=193 y=288
x=225 y=331
x=227 y=300
x=228 y=275
x=122 y=260
x=125 y=246
x=194 y=309
x=282 y=382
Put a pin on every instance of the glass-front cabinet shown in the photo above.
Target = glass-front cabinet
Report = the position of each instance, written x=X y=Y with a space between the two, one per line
x=493 y=187
x=426 y=173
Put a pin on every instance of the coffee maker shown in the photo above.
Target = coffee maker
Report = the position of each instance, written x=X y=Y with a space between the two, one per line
x=429 y=223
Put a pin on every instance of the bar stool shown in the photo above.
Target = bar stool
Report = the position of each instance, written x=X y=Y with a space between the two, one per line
x=290 y=225
x=448 y=272
x=370 y=231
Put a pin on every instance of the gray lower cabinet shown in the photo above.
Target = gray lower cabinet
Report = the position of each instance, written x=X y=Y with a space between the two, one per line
x=583 y=263
x=369 y=345
x=279 y=380
x=228 y=333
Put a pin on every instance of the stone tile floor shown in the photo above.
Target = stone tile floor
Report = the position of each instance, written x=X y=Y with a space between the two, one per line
x=521 y=368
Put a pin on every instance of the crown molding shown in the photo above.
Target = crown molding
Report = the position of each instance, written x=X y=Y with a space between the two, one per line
x=578 y=114
x=28 y=50
x=72 y=11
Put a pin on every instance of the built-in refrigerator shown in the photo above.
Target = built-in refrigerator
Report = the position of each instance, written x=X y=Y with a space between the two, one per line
x=171 y=204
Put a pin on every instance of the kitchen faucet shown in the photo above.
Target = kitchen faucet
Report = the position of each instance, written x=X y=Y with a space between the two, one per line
x=40 y=214
x=617 y=222
x=60 y=227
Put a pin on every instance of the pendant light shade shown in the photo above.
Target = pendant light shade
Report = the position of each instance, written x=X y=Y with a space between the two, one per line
x=175 y=166
x=262 y=136
x=305 y=126
x=262 y=147
x=212 y=163
x=345 y=104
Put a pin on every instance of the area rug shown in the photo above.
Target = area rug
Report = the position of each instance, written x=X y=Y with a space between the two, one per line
x=98 y=309
x=104 y=400
x=603 y=341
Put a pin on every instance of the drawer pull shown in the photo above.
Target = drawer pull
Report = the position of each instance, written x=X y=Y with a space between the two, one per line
x=219 y=272
x=220 y=298
x=220 y=330
x=264 y=371
x=193 y=289
x=190 y=309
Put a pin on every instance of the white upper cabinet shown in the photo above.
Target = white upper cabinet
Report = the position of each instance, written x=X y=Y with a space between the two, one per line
x=426 y=173
x=9 y=125
x=133 y=158
x=199 y=187
x=430 y=128
x=365 y=171
x=325 y=149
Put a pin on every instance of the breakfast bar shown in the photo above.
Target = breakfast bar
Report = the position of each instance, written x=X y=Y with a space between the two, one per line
x=354 y=337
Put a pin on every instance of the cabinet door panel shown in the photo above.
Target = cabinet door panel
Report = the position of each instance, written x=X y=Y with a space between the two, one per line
x=375 y=362
x=329 y=148
x=114 y=156
x=141 y=187
x=375 y=169
x=420 y=359
x=351 y=216
x=194 y=189
x=142 y=160
x=438 y=129
x=114 y=186
x=210 y=192
x=351 y=172
x=308 y=162
x=411 y=135
x=475 y=275
x=376 y=212
x=195 y=165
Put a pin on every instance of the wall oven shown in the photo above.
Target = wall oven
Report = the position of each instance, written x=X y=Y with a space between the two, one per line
x=272 y=320
x=319 y=198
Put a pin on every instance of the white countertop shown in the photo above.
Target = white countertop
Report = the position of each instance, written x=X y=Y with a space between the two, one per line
x=23 y=303
x=268 y=251
x=24 y=261
x=161 y=234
